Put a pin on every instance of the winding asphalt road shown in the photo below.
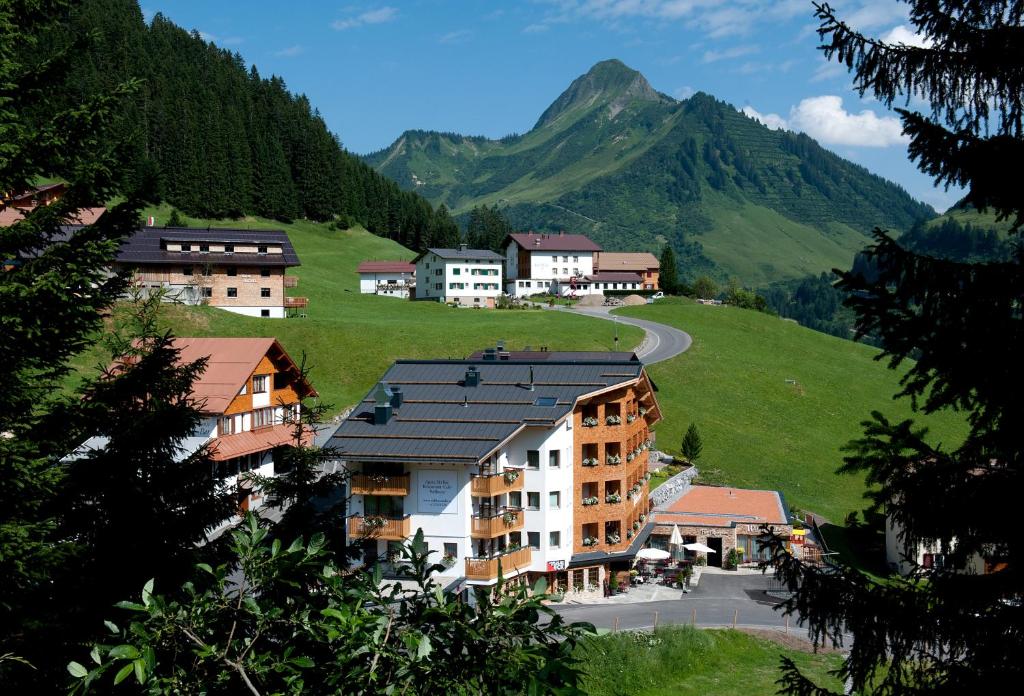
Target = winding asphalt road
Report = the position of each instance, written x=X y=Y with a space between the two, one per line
x=661 y=341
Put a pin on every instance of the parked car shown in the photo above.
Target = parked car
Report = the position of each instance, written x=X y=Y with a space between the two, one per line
x=657 y=296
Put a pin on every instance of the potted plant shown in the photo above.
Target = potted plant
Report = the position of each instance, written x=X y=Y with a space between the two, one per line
x=630 y=417
x=613 y=498
x=448 y=560
x=613 y=459
x=511 y=475
x=509 y=518
x=589 y=461
x=643 y=411
x=590 y=500
x=613 y=538
x=613 y=420
x=374 y=522
x=636 y=526
x=630 y=457
x=590 y=422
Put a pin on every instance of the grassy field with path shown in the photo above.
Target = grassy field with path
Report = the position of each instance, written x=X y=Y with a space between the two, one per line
x=774 y=401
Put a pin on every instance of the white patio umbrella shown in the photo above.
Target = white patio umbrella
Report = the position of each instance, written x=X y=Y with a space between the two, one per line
x=652 y=554
x=699 y=547
x=676 y=539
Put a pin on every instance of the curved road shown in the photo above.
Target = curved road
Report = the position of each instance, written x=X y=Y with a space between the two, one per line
x=661 y=341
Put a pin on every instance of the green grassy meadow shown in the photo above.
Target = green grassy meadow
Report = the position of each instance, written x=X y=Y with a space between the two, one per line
x=760 y=430
x=684 y=661
x=350 y=339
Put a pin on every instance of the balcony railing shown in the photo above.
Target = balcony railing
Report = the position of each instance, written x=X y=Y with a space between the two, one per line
x=486 y=569
x=379 y=527
x=494 y=525
x=296 y=302
x=489 y=485
x=291 y=281
x=380 y=484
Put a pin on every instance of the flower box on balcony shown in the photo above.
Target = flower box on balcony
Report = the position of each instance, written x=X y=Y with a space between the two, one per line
x=643 y=518
x=511 y=475
x=613 y=459
x=592 y=500
x=613 y=538
x=613 y=420
x=613 y=498
x=589 y=461
x=590 y=541
x=590 y=422
x=630 y=417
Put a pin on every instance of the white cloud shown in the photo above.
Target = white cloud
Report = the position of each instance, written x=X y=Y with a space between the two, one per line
x=456 y=37
x=824 y=119
x=828 y=71
x=684 y=92
x=220 y=40
x=871 y=14
x=536 y=29
x=902 y=35
x=734 y=52
x=380 y=15
x=290 y=52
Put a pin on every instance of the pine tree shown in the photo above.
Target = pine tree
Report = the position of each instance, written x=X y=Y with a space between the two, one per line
x=945 y=629
x=175 y=220
x=692 y=444
x=668 y=271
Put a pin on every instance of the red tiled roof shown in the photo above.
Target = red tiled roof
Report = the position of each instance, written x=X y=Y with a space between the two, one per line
x=722 y=507
x=249 y=442
x=614 y=278
x=83 y=216
x=386 y=267
x=554 y=242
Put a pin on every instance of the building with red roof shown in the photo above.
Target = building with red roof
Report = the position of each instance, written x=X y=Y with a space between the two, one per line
x=387 y=278
x=540 y=263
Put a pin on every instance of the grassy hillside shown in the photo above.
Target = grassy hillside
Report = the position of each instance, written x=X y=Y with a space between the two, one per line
x=350 y=339
x=685 y=661
x=760 y=429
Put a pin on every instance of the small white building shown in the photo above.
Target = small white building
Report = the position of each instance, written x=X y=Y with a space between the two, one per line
x=467 y=277
x=387 y=278
x=541 y=264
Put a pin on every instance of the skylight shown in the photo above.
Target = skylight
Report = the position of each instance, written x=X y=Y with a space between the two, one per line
x=546 y=401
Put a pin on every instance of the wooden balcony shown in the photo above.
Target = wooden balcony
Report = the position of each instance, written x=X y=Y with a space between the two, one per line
x=502 y=522
x=296 y=302
x=291 y=281
x=380 y=484
x=489 y=485
x=379 y=527
x=486 y=569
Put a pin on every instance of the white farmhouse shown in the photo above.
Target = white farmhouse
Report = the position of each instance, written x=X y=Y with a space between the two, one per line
x=467 y=277
x=548 y=263
x=387 y=278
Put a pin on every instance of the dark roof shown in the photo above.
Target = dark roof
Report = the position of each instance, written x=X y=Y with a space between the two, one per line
x=442 y=420
x=474 y=254
x=553 y=242
x=589 y=557
x=543 y=355
x=614 y=278
x=146 y=247
x=386 y=267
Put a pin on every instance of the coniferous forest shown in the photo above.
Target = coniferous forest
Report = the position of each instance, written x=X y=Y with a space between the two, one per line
x=215 y=138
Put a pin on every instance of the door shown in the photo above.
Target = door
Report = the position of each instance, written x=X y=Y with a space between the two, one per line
x=715 y=559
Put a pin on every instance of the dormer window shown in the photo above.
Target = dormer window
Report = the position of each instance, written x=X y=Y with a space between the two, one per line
x=186 y=248
x=259 y=384
x=261 y=249
x=204 y=248
x=229 y=248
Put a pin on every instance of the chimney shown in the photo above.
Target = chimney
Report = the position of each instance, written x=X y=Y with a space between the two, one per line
x=462 y=246
x=490 y=354
x=501 y=346
x=472 y=377
x=531 y=377
x=382 y=409
x=561 y=233
x=397 y=397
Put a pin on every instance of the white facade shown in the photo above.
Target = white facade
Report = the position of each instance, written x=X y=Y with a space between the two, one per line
x=904 y=559
x=387 y=284
x=469 y=282
x=549 y=272
x=440 y=503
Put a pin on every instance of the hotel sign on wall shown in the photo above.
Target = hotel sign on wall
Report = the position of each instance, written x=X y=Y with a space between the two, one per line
x=436 y=492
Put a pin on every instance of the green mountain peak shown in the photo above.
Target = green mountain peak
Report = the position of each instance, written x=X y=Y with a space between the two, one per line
x=610 y=83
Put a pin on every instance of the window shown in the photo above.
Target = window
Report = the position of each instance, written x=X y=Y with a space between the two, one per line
x=533 y=539
x=575 y=259
x=515 y=538
x=186 y=247
x=515 y=499
x=565 y=259
x=259 y=384
x=575 y=271
x=438 y=286
x=546 y=401
x=264 y=273
x=261 y=249
x=232 y=292
x=565 y=271
x=232 y=271
x=450 y=549
x=244 y=390
x=226 y=426
x=554 y=500
x=592 y=576
x=554 y=540
x=204 y=248
x=229 y=248
x=186 y=271
x=206 y=292
x=262 y=417
x=456 y=271
x=264 y=292
x=532 y=500
x=439 y=271
x=554 y=460
x=532 y=459
x=264 y=312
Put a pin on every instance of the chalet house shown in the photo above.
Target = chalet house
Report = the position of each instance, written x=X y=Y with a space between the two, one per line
x=466 y=277
x=535 y=460
x=15 y=205
x=387 y=278
x=723 y=518
x=554 y=264
x=644 y=264
x=241 y=271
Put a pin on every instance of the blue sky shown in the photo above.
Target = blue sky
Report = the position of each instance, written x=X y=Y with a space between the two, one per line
x=375 y=69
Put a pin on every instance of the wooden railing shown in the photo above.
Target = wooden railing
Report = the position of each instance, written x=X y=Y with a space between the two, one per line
x=380 y=484
x=502 y=522
x=379 y=527
x=512 y=563
x=489 y=485
x=291 y=281
x=296 y=302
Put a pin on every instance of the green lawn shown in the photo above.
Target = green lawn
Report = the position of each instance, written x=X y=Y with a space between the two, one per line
x=351 y=339
x=773 y=401
x=683 y=661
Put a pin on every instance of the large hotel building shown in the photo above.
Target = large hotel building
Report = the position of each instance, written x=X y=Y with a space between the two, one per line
x=534 y=460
